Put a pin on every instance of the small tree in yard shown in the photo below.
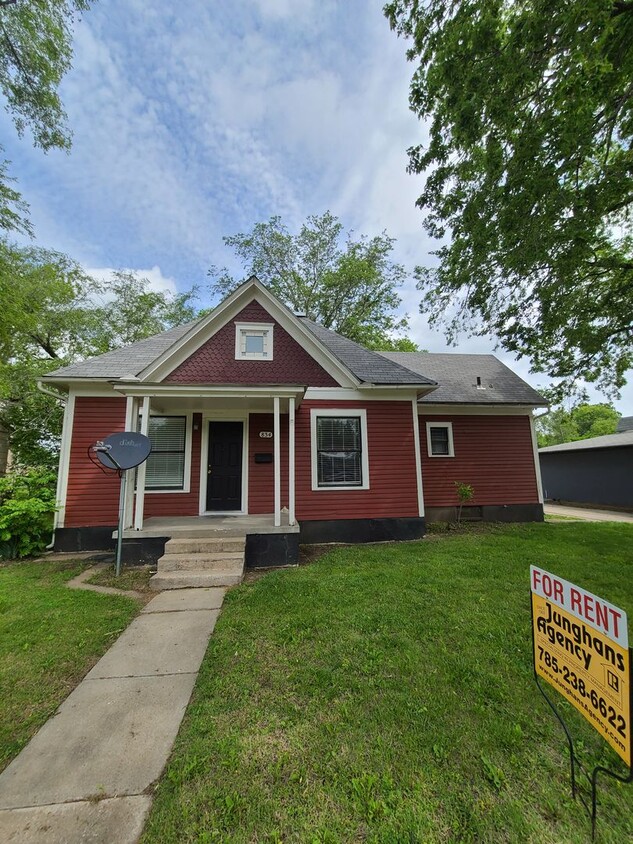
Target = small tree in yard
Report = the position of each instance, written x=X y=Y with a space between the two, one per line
x=465 y=493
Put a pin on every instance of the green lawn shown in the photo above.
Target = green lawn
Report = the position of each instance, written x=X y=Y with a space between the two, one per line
x=130 y=577
x=50 y=636
x=385 y=694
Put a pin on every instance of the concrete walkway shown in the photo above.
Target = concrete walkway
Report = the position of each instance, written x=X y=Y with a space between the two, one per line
x=587 y=515
x=88 y=774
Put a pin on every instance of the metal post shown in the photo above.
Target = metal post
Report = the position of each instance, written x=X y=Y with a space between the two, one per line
x=119 y=539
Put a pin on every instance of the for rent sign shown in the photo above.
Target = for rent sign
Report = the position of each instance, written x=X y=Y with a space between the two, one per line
x=581 y=647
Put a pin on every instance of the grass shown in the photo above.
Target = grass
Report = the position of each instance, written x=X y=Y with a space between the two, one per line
x=50 y=636
x=131 y=577
x=385 y=694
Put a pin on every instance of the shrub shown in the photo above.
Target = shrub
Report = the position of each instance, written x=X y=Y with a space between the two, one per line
x=27 y=504
x=465 y=493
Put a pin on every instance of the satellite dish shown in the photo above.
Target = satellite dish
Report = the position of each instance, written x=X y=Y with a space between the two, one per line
x=123 y=451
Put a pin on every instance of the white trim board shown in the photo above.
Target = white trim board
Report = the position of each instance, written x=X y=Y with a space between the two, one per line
x=403 y=393
x=537 y=462
x=418 y=458
x=64 y=461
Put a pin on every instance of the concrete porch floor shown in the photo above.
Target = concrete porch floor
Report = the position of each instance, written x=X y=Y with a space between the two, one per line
x=181 y=526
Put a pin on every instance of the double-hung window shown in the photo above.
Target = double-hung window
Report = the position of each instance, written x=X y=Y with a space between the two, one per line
x=339 y=449
x=439 y=439
x=166 y=463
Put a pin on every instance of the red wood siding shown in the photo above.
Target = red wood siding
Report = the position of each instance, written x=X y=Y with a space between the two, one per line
x=214 y=362
x=493 y=453
x=180 y=503
x=93 y=496
x=392 y=470
x=261 y=476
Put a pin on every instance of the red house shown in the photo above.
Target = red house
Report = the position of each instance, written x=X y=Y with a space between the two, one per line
x=271 y=429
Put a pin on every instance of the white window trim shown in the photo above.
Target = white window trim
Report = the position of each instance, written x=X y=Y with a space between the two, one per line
x=361 y=413
x=449 y=428
x=187 y=469
x=253 y=326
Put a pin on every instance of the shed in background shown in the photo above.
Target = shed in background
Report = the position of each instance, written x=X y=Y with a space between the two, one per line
x=598 y=470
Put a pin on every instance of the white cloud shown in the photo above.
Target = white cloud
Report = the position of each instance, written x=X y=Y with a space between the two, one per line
x=157 y=281
x=197 y=123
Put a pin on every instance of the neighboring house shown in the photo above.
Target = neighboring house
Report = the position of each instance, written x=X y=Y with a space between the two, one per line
x=598 y=470
x=256 y=412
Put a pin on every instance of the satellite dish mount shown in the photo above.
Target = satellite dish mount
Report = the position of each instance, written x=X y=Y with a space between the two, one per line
x=119 y=453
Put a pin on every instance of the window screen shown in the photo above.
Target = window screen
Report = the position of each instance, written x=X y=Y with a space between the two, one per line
x=166 y=463
x=339 y=451
x=440 y=441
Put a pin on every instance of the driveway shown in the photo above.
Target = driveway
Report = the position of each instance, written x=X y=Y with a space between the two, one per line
x=587 y=515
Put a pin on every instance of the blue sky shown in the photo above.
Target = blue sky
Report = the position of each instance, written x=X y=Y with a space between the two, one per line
x=196 y=120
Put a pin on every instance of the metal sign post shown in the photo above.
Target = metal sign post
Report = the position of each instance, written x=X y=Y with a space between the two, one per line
x=581 y=648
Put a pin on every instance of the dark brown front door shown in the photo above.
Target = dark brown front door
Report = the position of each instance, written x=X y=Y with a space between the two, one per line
x=224 y=471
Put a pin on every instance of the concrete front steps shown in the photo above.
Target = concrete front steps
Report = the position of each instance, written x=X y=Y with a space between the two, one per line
x=200 y=561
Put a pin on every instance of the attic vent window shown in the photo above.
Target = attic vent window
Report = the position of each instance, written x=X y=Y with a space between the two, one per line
x=480 y=386
x=253 y=341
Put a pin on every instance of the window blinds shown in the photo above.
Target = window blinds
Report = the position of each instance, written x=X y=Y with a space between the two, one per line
x=166 y=463
x=339 y=451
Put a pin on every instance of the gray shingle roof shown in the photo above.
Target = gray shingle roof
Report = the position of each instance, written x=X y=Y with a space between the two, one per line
x=457 y=376
x=370 y=367
x=127 y=361
x=606 y=441
x=625 y=423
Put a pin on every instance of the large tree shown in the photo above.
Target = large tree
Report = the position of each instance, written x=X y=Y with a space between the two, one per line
x=581 y=422
x=35 y=53
x=345 y=283
x=529 y=175
x=52 y=313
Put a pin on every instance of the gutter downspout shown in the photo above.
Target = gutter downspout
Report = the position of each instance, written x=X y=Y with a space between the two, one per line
x=48 y=392
x=61 y=399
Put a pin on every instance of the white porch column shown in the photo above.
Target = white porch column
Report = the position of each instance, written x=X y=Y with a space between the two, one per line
x=418 y=457
x=291 y=461
x=277 y=459
x=140 y=472
x=131 y=416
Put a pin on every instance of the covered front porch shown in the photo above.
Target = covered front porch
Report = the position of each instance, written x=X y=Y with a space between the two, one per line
x=231 y=446
x=194 y=526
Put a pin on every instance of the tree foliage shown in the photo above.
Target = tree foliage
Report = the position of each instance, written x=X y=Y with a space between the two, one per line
x=51 y=314
x=35 y=53
x=346 y=284
x=579 y=423
x=529 y=173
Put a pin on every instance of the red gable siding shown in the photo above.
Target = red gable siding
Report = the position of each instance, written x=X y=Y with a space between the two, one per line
x=392 y=470
x=214 y=362
x=180 y=503
x=93 y=495
x=493 y=453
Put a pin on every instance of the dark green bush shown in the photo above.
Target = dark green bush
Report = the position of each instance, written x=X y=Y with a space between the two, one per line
x=27 y=505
